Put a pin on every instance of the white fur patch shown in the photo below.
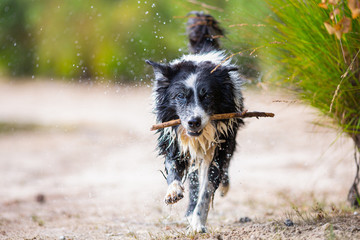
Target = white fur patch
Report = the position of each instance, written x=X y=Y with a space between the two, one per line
x=190 y=82
x=215 y=57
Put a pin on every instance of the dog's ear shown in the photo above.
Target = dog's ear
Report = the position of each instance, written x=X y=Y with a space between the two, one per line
x=232 y=68
x=158 y=66
x=162 y=71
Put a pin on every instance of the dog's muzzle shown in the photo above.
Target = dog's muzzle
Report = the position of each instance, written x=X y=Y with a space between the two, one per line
x=194 y=128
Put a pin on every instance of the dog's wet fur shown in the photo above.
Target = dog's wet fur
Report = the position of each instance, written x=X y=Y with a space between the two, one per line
x=199 y=149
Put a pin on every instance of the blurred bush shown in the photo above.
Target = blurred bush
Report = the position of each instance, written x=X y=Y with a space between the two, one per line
x=103 y=40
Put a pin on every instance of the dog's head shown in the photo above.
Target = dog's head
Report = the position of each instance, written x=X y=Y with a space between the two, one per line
x=190 y=91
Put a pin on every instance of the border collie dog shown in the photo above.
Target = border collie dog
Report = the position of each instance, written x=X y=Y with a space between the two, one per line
x=199 y=149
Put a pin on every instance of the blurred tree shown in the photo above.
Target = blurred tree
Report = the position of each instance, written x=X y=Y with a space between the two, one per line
x=16 y=41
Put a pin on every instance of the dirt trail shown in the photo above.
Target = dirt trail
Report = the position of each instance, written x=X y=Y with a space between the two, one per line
x=89 y=151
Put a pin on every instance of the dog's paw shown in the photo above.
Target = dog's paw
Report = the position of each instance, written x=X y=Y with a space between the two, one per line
x=174 y=193
x=224 y=188
x=196 y=226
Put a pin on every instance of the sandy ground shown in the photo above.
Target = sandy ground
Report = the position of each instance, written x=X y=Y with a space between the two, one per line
x=87 y=150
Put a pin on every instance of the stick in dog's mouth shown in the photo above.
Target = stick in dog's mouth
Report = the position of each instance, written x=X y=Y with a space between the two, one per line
x=244 y=114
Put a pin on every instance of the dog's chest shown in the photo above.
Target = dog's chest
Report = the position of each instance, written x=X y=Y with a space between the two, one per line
x=198 y=148
x=202 y=148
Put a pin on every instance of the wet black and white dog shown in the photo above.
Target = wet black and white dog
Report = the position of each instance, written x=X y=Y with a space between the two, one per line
x=199 y=148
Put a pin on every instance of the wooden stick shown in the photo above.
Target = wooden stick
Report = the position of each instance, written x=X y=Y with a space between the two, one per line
x=244 y=114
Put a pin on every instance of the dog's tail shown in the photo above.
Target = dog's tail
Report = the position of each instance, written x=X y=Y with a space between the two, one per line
x=204 y=32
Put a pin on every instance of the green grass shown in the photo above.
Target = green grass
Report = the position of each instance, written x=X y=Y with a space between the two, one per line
x=12 y=127
x=15 y=127
x=37 y=220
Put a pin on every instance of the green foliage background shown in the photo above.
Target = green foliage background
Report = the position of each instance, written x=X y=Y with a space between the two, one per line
x=98 y=40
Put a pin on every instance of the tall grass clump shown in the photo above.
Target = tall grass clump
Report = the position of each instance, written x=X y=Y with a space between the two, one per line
x=319 y=55
x=312 y=47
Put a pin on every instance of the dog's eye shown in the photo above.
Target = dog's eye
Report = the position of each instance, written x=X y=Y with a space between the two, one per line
x=180 y=96
x=204 y=94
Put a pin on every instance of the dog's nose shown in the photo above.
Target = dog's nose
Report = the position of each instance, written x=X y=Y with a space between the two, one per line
x=194 y=122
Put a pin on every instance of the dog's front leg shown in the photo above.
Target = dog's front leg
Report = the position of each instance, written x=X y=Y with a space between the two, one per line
x=206 y=193
x=175 y=169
